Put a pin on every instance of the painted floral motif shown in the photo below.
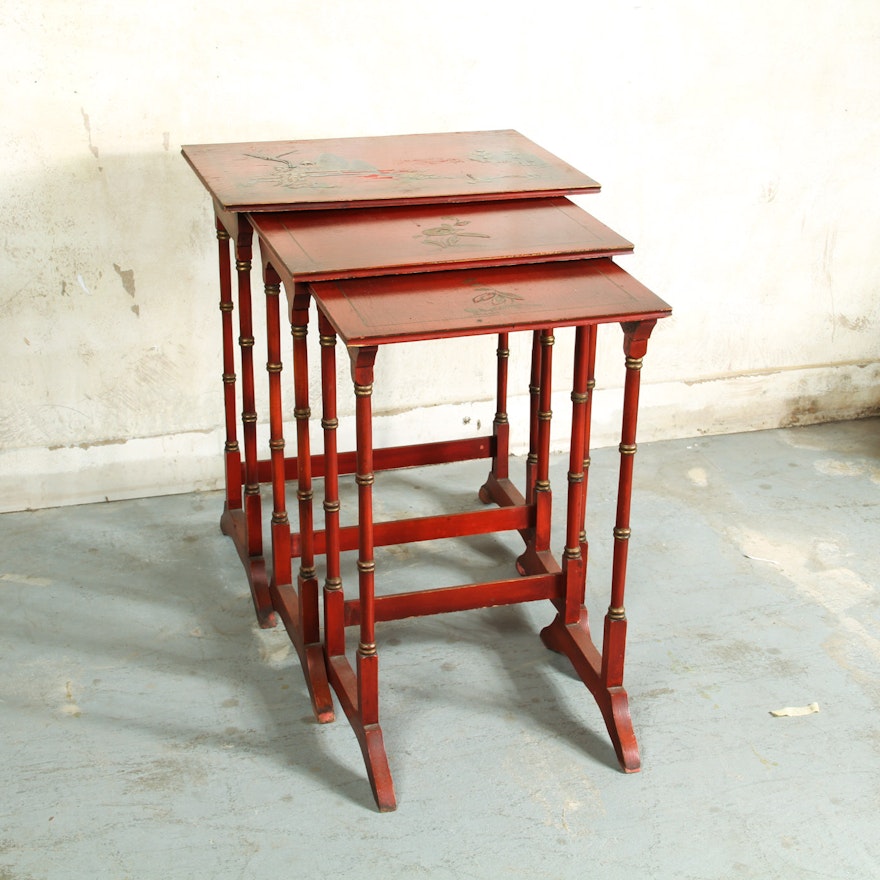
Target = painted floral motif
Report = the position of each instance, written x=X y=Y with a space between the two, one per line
x=324 y=171
x=490 y=301
x=449 y=233
x=505 y=157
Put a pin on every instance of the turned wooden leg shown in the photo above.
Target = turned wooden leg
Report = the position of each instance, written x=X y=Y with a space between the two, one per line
x=500 y=429
x=334 y=599
x=369 y=732
x=537 y=556
x=635 y=345
x=307 y=623
x=590 y=342
x=574 y=561
x=232 y=453
x=252 y=501
x=603 y=672
x=534 y=406
x=242 y=521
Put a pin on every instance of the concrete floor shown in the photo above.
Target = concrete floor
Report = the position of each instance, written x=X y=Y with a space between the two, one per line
x=150 y=730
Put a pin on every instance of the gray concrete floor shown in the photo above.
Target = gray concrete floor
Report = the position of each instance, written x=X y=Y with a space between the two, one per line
x=151 y=730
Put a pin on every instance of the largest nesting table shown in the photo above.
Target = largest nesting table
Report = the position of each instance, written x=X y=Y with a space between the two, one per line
x=415 y=205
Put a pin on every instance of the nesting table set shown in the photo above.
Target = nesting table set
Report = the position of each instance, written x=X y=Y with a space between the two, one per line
x=400 y=239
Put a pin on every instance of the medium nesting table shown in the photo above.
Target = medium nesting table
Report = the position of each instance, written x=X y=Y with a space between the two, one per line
x=305 y=247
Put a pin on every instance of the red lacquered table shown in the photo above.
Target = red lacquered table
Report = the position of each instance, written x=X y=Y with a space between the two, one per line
x=299 y=248
x=331 y=174
x=370 y=313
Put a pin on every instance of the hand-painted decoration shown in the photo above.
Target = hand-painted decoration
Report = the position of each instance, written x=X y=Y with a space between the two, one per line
x=449 y=233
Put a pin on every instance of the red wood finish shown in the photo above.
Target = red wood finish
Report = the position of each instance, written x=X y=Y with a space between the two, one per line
x=412 y=169
x=437 y=305
x=370 y=313
x=453 y=169
x=321 y=245
x=442 y=235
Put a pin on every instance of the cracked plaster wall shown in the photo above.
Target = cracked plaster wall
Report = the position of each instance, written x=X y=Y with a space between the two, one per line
x=736 y=146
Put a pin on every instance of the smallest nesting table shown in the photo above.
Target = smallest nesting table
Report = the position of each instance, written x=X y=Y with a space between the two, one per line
x=369 y=313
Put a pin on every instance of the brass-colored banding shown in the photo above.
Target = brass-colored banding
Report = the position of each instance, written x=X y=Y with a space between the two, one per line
x=333 y=584
x=534 y=389
x=501 y=418
x=548 y=339
x=274 y=368
x=532 y=458
x=363 y=390
x=249 y=418
x=277 y=443
x=366 y=566
x=307 y=574
x=328 y=341
x=329 y=424
x=633 y=363
x=280 y=518
x=273 y=289
x=572 y=553
x=365 y=479
x=246 y=341
x=252 y=489
x=242 y=265
x=226 y=306
x=622 y=534
x=223 y=235
x=591 y=384
x=545 y=415
x=331 y=507
x=231 y=446
x=229 y=378
x=304 y=494
x=579 y=397
x=503 y=353
x=617 y=613
x=587 y=462
x=302 y=413
x=575 y=478
x=367 y=650
x=542 y=485
x=628 y=448
x=299 y=331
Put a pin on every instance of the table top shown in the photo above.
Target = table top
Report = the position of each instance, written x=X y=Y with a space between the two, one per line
x=386 y=170
x=321 y=245
x=402 y=308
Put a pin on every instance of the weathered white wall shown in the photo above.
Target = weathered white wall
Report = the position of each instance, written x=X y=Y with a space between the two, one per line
x=736 y=143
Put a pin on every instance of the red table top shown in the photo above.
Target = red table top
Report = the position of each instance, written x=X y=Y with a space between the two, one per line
x=401 y=308
x=320 y=245
x=395 y=169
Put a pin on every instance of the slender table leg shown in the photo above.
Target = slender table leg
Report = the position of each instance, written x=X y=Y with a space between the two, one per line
x=591 y=334
x=614 y=646
x=358 y=689
x=537 y=557
x=244 y=526
x=334 y=599
x=299 y=607
x=603 y=673
x=498 y=487
x=574 y=555
x=534 y=406
x=232 y=453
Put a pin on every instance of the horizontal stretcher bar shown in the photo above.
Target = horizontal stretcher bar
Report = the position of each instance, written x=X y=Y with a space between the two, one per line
x=510 y=591
x=389 y=458
x=428 y=528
